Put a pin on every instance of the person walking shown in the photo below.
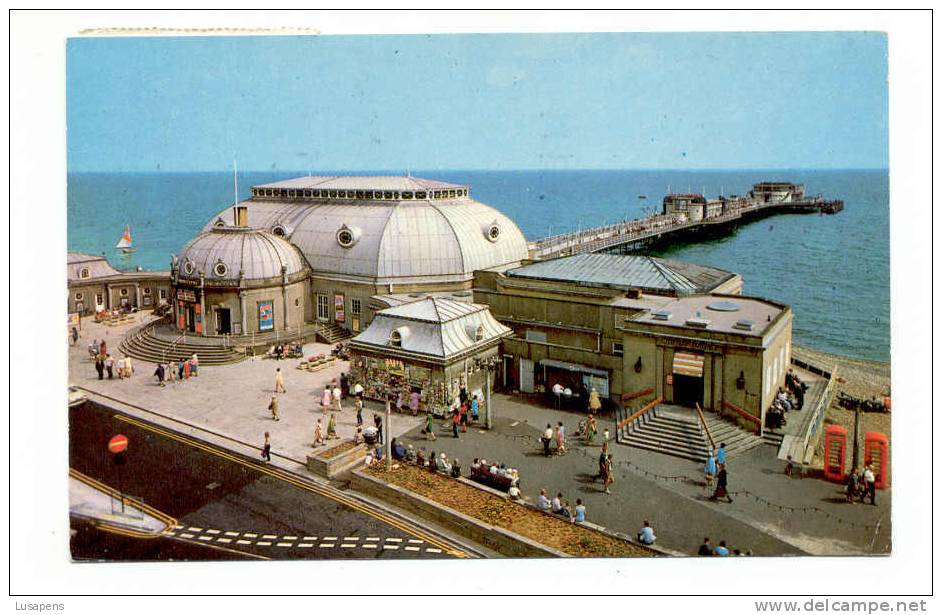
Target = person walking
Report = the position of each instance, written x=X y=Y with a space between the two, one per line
x=870 y=484
x=591 y=428
x=358 y=404
x=455 y=419
x=273 y=406
x=336 y=394
x=721 y=485
x=160 y=373
x=279 y=381
x=344 y=385
x=332 y=426
x=326 y=399
x=429 y=426
x=318 y=434
x=103 y=350
x=546 y=439
x=710 y=469
x=187 y=368
x=463 y=412
x=195 y=365
x=128 y=366
x=721 y=454
x=109 y=365
x=595 y=403
x=266 y=448
x=180 y=369
x=560 y=438
x=378 y=422
x=170 y=372
x=75 y=336
x=100 y=366
x=609 y=476
x=414 y=402
x=603 y=459
x=475 y=408
x=119 y=367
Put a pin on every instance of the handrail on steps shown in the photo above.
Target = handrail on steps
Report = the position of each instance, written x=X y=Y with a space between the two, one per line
x=641 y=414
x=739 y=411
x=705 y=428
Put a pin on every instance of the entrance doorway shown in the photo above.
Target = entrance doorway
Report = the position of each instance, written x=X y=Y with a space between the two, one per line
x=223 y=321
x=688 y=390
x=526 y=376
x=191 y=317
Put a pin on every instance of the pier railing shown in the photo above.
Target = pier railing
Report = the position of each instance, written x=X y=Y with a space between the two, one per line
x=631 y=231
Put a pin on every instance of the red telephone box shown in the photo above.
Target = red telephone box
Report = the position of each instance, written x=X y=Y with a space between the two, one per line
x=876 y=455
x=835 y=453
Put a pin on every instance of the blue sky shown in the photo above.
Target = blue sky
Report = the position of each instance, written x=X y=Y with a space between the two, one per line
x=527 y=101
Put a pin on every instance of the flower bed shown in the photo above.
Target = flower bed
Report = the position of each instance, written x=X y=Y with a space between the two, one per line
x=343 y=447
x=552 y=531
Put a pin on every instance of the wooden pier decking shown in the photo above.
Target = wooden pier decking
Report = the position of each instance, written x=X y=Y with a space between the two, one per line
x=632 y=235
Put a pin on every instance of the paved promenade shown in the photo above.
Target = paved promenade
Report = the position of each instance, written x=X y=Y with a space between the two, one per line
x=227 y=405
x=670 y=491
x=231 y=400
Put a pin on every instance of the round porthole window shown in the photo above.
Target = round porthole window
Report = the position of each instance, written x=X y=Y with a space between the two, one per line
x=493 y=231
x=79 y=296
x=189 y=267
x=146 y=291
x=279 y=230
x=347 y=236
x=124 y=292
x=219 y=222
x=220 y=269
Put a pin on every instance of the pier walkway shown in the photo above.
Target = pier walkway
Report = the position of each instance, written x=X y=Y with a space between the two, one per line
x=635 y=234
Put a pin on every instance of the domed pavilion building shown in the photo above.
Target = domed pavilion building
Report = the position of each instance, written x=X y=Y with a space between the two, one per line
x=369 y=243
x=233 y=279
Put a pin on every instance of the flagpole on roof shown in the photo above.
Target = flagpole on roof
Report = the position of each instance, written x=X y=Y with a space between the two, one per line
x=235 y=182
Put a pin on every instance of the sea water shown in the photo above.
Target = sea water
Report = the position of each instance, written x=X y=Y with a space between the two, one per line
x=833 y=270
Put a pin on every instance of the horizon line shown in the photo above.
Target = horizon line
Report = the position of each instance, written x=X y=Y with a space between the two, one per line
x=405 y=172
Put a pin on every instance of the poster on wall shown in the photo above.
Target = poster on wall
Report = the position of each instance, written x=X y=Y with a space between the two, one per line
x=198 y=318
x=266 y=316
x=338 y=308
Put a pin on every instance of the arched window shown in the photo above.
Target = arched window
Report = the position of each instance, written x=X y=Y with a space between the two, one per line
x=395 y=339
x=84 y=273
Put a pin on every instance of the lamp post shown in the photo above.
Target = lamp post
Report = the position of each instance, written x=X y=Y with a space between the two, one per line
x=489 y=363
x=388 y=430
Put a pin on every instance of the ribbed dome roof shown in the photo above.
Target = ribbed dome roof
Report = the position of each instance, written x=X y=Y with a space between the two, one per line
x=223 y=252
x=393 y=241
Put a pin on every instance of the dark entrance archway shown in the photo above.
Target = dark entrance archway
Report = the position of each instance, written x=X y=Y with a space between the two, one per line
x=688 y=390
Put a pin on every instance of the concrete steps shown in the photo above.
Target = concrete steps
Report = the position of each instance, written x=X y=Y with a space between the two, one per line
x=676 y=432
x=147 y=347
x=331 y=333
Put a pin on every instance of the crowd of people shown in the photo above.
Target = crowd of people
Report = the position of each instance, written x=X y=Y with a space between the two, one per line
x=177 y=371
x=788 y=398
x=721 y=550
x=861 y=485
x=715 y=471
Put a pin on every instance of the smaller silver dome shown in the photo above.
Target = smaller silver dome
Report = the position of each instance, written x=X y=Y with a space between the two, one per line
x=225 y=252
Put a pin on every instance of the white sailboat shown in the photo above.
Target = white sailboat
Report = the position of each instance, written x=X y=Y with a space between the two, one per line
x=124 y=244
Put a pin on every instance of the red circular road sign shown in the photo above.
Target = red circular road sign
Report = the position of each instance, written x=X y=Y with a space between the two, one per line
x=118 y=443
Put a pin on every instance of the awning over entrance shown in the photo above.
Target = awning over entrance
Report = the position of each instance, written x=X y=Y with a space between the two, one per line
x=573 y=367
x=688 y=364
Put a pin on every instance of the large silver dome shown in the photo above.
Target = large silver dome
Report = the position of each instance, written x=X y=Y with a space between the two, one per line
x=386 y=229
x=224 y=253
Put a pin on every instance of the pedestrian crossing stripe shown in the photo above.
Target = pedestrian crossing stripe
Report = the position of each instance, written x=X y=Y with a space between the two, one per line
x=412 y=548
x=269 y=536
x=187 y=535
x=263 y=544
x=212 y=531
x=232 y=533
x=394 y=540
x=346 y=546
x=415 y=541
x=391 y=547
x=351 y=538
x=309 y=538
x=431 y=550
x=330 y=538
x=224 y=540
x=243 y=542
x=285 y=544
x=305 y=545
x=248 y=535
x=326 y=545
x=372 y=538
x=290 y=538
x=205 y=538
x=195 y=529
x=369 y=546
